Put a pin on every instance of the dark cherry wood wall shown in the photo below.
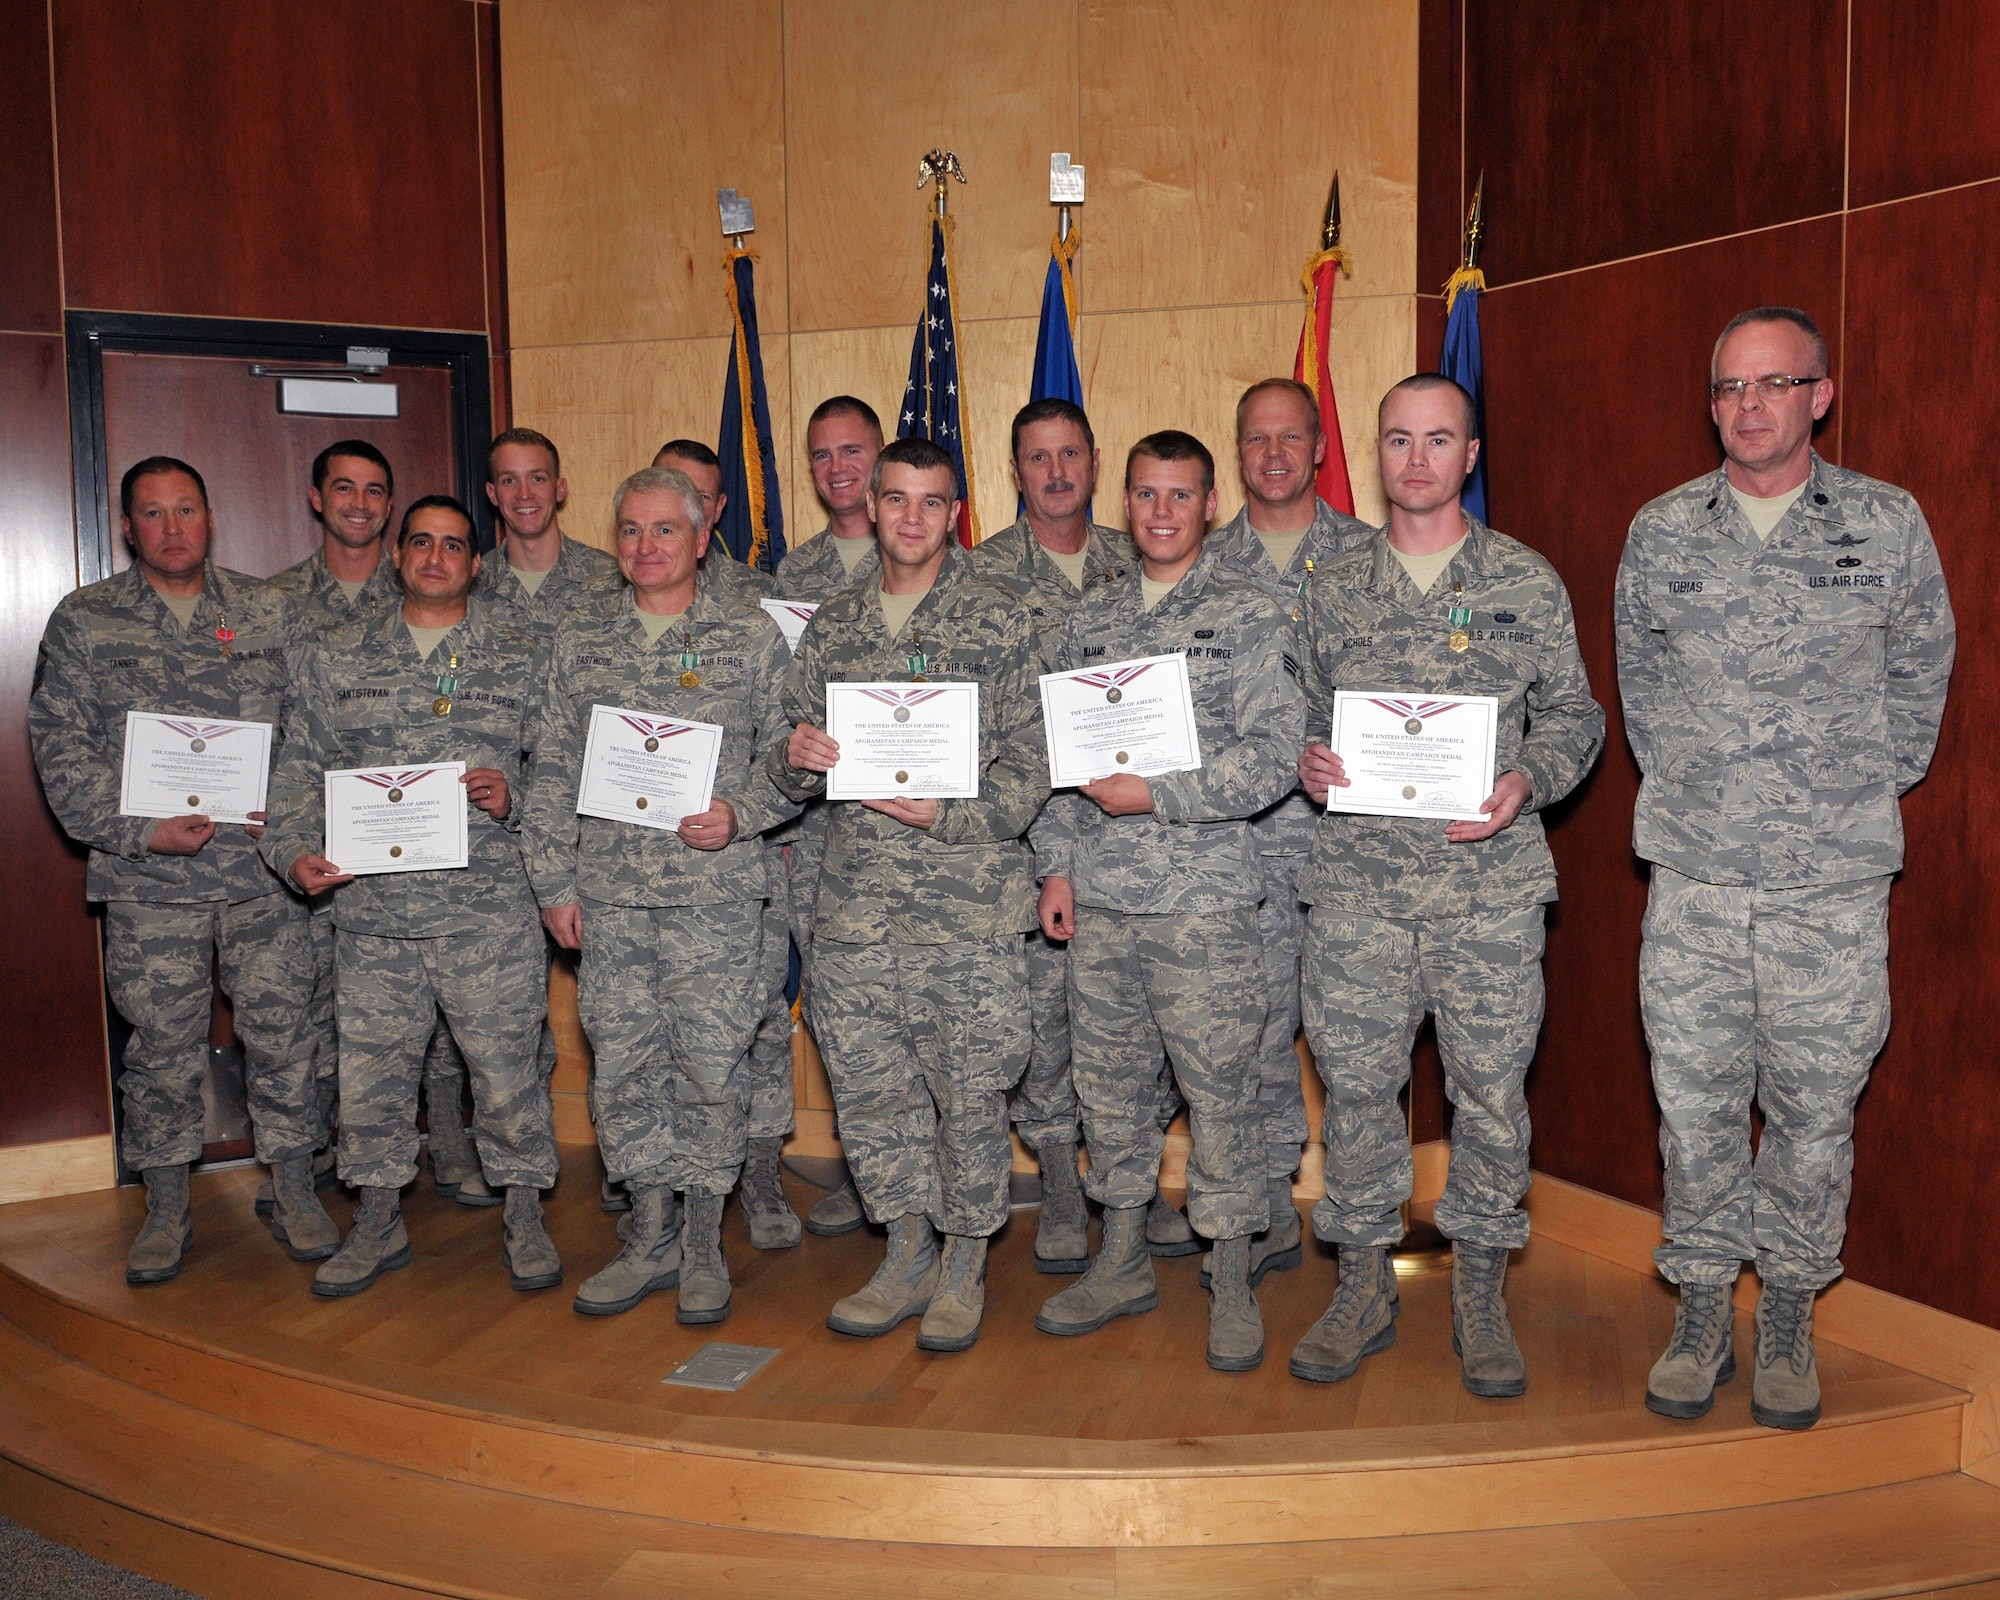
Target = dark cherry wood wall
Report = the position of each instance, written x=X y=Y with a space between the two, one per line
x=333 y=162
x=1651 y=168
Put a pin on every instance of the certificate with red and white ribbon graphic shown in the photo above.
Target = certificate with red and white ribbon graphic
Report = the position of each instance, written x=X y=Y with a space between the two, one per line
x=791 y=616
x=646 y=768
x=1129 y=716
x=397 y=819
x=911 y=741
x=194 y=766
x=1414 y=755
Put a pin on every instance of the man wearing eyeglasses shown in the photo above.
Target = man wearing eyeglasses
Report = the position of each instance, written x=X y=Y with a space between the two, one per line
x=1784 y=643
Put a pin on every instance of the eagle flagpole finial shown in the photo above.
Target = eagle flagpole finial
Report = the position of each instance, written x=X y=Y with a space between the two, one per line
x=936 y=167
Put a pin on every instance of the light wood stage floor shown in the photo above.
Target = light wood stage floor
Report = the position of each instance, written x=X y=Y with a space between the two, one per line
x=444 y=1435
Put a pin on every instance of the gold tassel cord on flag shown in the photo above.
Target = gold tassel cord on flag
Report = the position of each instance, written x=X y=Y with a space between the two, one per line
x=1464 y=278
x=950 y=226
x=1310 y=278
x=1064 y=251
x=753 y=455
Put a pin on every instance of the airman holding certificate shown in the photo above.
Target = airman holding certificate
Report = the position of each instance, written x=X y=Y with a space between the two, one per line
x=440 y=679
x=919 y=998
x=176 y=636
x=670 y=918
x=1154 y=883
x=1411 y=914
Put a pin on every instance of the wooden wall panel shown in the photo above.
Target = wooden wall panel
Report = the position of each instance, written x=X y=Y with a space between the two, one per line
x=492 y=191
x=1441 y=192
x=1609 y=130
x=54 y=1084
x=872 y=364
x=622 y=122
x=1928 y=1132
x=1924 y=114
x=311 y=163
x=1561 y=355
x=866 y=94
x=30 y=265
x=1215 y=131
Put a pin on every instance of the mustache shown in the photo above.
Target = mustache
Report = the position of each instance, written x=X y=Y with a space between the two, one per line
x=1058 y=486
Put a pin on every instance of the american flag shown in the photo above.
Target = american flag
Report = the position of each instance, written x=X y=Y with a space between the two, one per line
x=933 y=405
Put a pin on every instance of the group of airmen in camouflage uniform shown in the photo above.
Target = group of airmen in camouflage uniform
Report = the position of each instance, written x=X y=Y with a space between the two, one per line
x=1105 y=955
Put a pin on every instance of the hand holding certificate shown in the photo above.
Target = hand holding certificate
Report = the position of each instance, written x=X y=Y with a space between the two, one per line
x=1132 y=717
x=647 y=769
x=912 y=741
x=1415 y=755
x=381 y=819
x=194 y=766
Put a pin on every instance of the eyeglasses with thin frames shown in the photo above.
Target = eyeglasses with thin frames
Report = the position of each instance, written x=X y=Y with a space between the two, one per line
x=1770 y=386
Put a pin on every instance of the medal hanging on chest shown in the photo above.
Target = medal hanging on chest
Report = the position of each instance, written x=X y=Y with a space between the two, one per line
x=1302 y=587
x=447 y=686
x=916 y=660
x=1460 y=618
x=690 y=660
x=224 y=636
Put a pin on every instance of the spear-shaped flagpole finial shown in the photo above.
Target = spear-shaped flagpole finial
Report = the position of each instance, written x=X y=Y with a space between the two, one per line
x=1475 y=223
x=1330 y=230
x=935 y=167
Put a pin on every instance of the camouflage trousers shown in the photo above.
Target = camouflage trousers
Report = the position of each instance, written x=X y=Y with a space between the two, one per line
x=770 y=1064
x=493 y=990
x=1183 y=983
x=320 y=1016
x=158 y=961
x=671 y=997
x=444 y=1063
x=1281 y=920
x=1044 y=1104
x=1776 y=995
x=1368 y=982
x=921 y=1043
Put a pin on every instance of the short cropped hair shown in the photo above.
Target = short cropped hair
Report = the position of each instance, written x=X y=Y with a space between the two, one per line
x=151 y=466
x=527 y=436
x=1791 y=314
x=438 y=502
x=1419 y=382
x=913 y=452
x=689 y=450
x=1050 y=409
x=1290 y=386
x=361 y=450
x=648 y=479
x=844 y=405
x=1170 y=444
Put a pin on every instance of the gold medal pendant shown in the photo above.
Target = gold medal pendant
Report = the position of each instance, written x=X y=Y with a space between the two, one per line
x=1460 y=640
x=442 y=705
x=690 y=679
x=690 y=659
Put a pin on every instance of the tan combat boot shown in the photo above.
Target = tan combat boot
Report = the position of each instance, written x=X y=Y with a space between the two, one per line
x=650 y=1261
x=1785 y=1389
x=168 y=1230
x=377 y=1243
x=299 y=1222
x=454 y=1157
x=1118 y=1284
x=704 y=1293
x=1279 y=1247
x=1359 y=1321
x=1062 y=1237
x=1701 y=1354
x=839 y=1212
x=901 y=1288
x=1235 y=1325
x=532 y=1262
x=1490 y=1361
x=773 y=1223
x=951 y=1322
x=1167 y=1230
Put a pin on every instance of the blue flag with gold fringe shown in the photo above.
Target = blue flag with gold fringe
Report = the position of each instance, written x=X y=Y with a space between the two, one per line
x=1056 y=376
x=1462 y=364
x=933 y=403
x=752 y=527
